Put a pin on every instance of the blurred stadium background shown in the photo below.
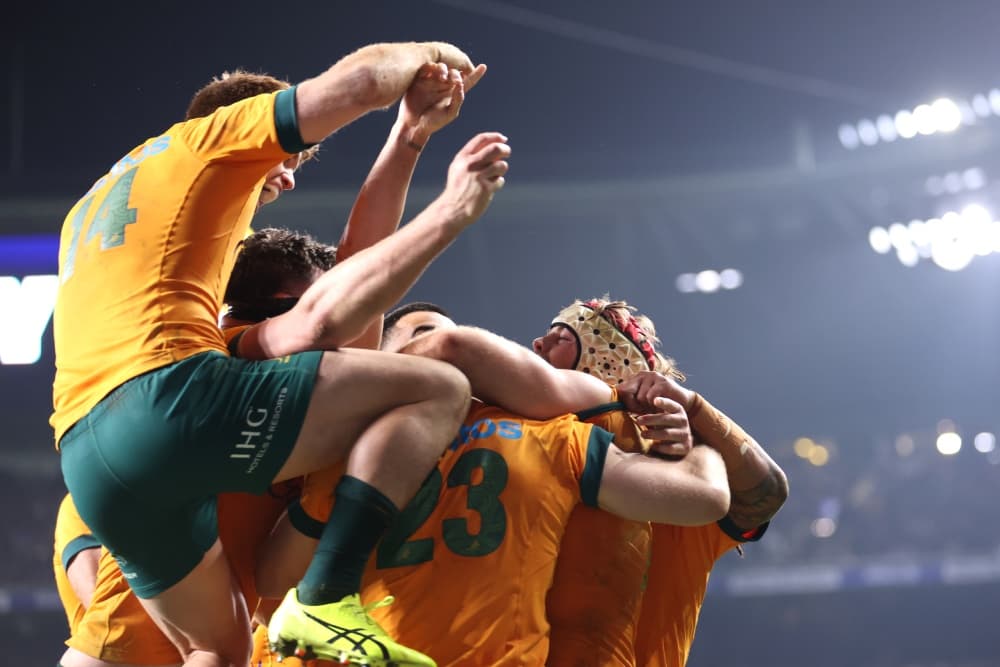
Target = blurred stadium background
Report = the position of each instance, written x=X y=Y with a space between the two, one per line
x=804 y=196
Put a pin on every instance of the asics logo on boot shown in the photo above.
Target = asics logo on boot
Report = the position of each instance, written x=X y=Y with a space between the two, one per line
x=360 y=639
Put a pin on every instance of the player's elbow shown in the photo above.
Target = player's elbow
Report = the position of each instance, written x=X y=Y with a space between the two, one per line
x=778 y=494
x=714 y=493
x=449 y=345
x=780 y=487
x=715 y=502
x=320 y=324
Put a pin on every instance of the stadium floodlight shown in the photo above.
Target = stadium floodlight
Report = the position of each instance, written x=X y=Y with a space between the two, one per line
x=878 y=238
x=953 y=182
x=947 y=115
x=823 y=527
x=906 y=126
x=730 y=278
x=924 y=120
x=908 y=255
x=994 y=97
x=686 y=283
x=951 y=241
x=973 y=178
x=985 y=442
x=819 y=456
x=981 y=106
x=709 y=281
x=803 y=446
x=867 y=132
x=848 y=136
x=919 y=233
x=941 y=116
x=886 y=128
x=949 y=444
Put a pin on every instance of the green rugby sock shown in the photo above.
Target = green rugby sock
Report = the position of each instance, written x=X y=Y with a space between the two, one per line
x=359 y=518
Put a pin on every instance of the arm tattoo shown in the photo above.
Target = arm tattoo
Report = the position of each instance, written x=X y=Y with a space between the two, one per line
x=753 y=507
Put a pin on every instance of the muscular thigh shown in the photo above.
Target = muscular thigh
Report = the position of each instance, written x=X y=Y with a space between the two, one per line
x=353 y=388
x=145 y=465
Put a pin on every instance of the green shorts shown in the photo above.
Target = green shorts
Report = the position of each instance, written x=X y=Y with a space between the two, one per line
x=144 y=466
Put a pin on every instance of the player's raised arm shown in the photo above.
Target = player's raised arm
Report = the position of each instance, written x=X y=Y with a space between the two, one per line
x=373 y=77
x=339 y=306
x=432 y=101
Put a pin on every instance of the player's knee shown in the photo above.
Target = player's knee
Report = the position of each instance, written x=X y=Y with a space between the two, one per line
x=451 y=390
x=232 y=648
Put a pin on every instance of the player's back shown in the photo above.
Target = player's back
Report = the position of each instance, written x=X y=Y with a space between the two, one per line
x=682 y=560
x=146 y=253
x=600 y=576
x=470 y=558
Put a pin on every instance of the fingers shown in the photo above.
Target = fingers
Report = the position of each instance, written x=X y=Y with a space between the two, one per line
x=437 y=71
x=474 y=77
x=495 y=173
x=667 y=435
x=481 y=140
x=650 y=390
x=647 y=386
x=457 y=99
x=488 y=155
x=672 y=416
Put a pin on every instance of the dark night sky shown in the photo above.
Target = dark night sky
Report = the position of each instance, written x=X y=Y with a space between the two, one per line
x=595 y=91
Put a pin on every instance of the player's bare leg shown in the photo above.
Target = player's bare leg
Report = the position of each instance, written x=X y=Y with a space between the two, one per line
x=392 y=451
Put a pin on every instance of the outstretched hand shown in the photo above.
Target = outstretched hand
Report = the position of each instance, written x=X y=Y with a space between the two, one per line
x=475 y=174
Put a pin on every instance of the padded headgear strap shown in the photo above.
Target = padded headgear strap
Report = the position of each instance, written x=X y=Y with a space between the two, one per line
x=610 y=349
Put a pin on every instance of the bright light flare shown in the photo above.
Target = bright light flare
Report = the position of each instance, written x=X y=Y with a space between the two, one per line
x=879 y=240
x=985 y=442
x=947 y=116
x=949 y=444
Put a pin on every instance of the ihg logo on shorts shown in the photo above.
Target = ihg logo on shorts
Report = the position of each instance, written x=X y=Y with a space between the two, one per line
x=259 y=426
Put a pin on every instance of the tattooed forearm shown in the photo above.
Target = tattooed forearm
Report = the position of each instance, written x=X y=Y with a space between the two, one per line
x=757 y=485
x=754 y=506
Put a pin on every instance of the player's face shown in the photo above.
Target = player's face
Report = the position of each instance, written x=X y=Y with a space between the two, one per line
x=558 y=346
x=279 y=179
x=412 y=325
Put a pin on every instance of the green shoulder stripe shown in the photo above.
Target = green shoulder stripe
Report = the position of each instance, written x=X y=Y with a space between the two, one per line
x=593 y=469
x=75 y=546
x=584 y=415
x=286 y=122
